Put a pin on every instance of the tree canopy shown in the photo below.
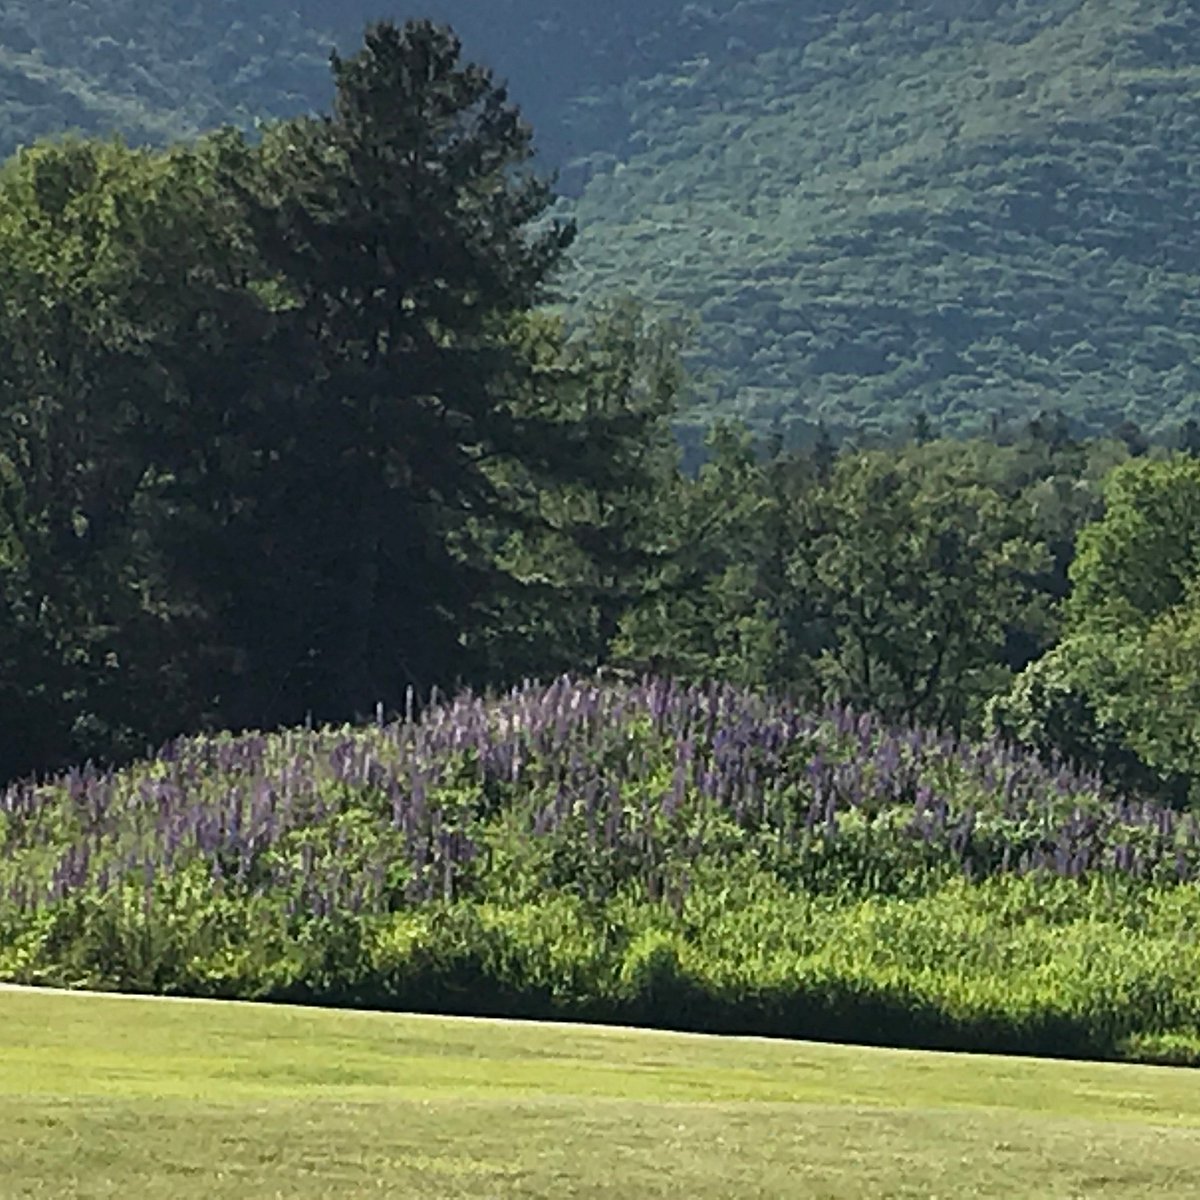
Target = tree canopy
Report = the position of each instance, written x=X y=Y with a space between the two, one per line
x=277 y=410
x=301 y=423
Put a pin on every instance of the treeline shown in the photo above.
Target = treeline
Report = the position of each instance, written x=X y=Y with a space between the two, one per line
x=1038 y=588
x=288 y=431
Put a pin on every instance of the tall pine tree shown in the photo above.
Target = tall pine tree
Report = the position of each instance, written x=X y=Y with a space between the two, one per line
x=403 y=238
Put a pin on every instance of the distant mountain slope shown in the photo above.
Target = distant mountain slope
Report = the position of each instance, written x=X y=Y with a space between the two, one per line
x=153 y=71
x=156 y=71
x=900 y=209
x=975 y=209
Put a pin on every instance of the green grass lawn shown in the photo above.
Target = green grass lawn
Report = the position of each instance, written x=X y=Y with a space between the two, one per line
x=113 y=1096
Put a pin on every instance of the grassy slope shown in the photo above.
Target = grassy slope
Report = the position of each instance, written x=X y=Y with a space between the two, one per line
x=116 y=1096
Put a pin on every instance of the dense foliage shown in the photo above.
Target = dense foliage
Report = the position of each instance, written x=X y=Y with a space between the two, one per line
x=1119 y=690
x=282 y=428
x=695 y=857
x=287 y=429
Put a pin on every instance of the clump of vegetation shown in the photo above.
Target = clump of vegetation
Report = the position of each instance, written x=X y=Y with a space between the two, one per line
x=698 y=857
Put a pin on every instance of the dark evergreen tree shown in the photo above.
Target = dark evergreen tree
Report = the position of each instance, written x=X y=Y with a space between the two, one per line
x=824 y=453
x=403 y=240
x=282 y=431
x=598 y=529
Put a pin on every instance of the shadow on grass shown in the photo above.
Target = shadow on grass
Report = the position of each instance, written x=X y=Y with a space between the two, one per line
x=833 y=1012
x=472 y=975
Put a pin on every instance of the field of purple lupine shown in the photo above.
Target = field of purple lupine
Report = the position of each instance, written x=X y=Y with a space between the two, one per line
x=689 y=856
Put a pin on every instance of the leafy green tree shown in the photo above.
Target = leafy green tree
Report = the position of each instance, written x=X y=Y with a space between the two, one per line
x=98 y=247
x=911 y=580
x=1140 y=559
x=919 y=572
x=25 y=720
x=1057 y=705
x=1136 y=604
x=710 y=614
x=1120 y=691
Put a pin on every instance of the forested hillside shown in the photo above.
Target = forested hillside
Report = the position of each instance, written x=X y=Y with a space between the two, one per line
x=186 y=66
x=975 y=212
x=971 y=210
x=153 y=73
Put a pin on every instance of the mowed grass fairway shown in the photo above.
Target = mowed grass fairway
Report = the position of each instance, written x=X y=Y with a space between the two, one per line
x=114 y=1096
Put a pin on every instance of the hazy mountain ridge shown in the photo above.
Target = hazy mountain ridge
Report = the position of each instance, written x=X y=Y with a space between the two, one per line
x=972 y=211
x=185 y=65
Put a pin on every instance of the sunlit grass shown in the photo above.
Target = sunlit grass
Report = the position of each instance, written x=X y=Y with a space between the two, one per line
x=112 y=1096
